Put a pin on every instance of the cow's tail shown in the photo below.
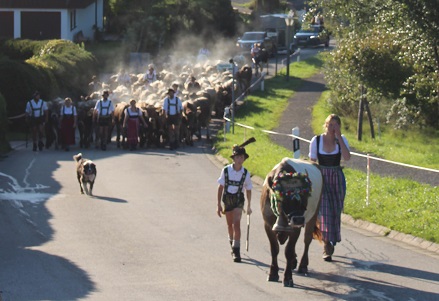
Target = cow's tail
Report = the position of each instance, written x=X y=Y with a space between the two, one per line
x=77 y=157
x=317 y=234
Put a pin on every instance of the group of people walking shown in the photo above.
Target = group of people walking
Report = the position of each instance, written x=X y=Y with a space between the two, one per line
x=37 y=116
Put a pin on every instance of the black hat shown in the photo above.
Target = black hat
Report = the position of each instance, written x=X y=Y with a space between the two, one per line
x=171 y=90
x=237 y=150
x=240 y=150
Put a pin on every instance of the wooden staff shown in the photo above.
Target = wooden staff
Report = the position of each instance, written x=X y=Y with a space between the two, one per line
x=248 y=232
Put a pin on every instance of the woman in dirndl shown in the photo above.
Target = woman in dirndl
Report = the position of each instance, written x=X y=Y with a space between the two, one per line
x=133 y=115
x=68 y=119
x=328 y=149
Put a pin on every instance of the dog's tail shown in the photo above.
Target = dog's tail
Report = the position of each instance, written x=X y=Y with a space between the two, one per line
x=77 y=157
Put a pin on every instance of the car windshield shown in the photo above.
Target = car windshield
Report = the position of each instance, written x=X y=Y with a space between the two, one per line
x=310 y=30
x=252 y=36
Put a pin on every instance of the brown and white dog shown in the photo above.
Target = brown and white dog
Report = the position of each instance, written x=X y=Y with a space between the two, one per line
x=86 y=172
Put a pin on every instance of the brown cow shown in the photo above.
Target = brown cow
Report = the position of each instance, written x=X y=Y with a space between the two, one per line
x=119 y=116
x=189 y=122
x=290 y=200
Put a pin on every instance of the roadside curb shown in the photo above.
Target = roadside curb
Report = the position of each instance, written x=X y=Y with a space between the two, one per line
x=395 y=235
x=349 y=220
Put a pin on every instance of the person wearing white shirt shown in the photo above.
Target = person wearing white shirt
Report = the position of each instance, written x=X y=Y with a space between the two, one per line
x=173 y=108
x=150 y=76
x=328 y=149
x=37 y=114
x=104 y=112
x=234 y=185
x=68 y=120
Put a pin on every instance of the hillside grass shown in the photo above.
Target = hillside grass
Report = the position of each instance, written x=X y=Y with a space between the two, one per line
x=398 y=204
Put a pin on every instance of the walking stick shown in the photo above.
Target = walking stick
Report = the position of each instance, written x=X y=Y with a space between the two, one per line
x=248 y=232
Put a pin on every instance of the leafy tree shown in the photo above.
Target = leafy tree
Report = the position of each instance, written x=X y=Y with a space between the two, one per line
x=153 y=24
x=389 y=47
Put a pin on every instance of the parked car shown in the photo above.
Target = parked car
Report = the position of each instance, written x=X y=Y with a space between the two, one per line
x=246 y=42
x=311 y=36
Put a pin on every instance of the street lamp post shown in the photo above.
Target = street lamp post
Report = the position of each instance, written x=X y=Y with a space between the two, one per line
x=289 y=20
x=233 y=95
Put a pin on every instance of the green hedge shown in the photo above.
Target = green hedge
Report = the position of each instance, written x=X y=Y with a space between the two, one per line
x=20 y=49
x=56 y=68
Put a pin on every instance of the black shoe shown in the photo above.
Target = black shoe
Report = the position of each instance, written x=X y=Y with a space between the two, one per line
x=236 y=256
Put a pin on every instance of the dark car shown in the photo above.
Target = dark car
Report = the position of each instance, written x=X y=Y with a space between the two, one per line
x=245 y=43
x=311 y=36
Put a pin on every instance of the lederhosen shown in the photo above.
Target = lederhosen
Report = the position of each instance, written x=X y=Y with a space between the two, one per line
x=36 y=121
x=173 y=119
x=104 y=120
x=67 y=130
x=233 y=200
x=334 y=191
x=133 y=127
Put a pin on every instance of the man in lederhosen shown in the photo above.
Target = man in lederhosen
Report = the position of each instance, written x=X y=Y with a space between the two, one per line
x=104 y=110
x=36 y=117
x=173 y=109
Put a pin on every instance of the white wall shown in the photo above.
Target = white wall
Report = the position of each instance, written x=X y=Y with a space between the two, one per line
x=85 y=20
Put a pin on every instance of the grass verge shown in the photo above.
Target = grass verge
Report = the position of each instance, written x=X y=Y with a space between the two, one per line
x=402 y=205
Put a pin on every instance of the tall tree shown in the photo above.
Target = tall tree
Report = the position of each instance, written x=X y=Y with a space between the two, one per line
x=390 y=47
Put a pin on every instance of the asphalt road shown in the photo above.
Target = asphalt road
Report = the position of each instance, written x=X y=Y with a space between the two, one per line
x=151 y=233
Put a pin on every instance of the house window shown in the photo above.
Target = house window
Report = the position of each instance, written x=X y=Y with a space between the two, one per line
x=72 y=19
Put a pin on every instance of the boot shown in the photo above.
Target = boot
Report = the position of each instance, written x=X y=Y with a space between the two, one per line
x=328 y=250
x=236 y=254
x=282 y=224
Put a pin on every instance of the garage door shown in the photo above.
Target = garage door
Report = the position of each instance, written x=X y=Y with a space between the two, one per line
x=7 y=24
x=41 y=25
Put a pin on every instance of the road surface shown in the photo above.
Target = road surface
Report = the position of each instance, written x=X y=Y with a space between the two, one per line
x=151 y=233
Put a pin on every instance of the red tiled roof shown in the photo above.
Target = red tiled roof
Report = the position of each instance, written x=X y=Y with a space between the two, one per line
x=45 y=3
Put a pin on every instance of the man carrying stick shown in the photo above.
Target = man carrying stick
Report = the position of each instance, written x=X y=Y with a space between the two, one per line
x=232 y=183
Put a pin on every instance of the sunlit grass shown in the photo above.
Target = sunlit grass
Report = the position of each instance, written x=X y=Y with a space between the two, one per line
x=416 y=147
x=399 y=204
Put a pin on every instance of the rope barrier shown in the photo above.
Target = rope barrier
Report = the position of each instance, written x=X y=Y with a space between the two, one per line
x=352 y=153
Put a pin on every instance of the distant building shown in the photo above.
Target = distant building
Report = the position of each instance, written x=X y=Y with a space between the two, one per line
x=275 y=26
x=73 y=20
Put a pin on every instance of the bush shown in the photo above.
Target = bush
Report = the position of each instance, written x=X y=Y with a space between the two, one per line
x=19 y=80
x=57 y=68
x=20 y=49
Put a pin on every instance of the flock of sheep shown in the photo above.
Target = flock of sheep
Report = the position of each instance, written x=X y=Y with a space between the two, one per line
x=211 y=94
